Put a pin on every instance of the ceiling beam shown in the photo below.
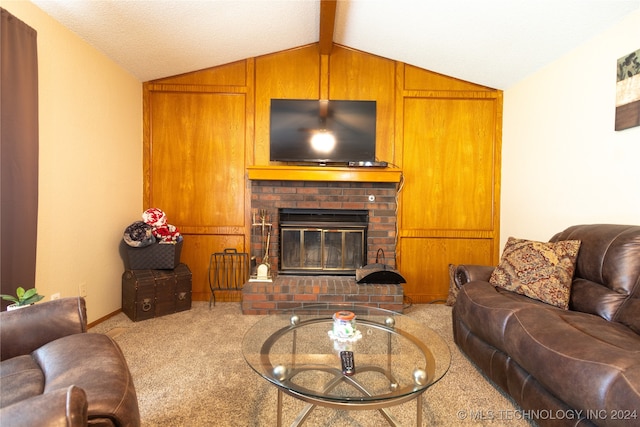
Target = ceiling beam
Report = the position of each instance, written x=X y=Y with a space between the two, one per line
x=327 y=25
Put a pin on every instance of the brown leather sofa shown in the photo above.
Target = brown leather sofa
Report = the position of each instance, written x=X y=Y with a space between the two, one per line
x=576 y=367
x=53 y=373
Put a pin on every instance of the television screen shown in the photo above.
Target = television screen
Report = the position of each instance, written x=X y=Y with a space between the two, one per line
x=322 y=131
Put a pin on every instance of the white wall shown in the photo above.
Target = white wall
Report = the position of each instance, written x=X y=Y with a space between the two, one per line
x=562 y=162
x=90 y=182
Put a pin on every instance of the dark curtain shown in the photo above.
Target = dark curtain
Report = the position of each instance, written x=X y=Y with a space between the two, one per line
x=18 y=153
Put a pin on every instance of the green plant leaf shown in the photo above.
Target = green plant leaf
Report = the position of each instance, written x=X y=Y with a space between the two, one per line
x=23 y=297
x=28 y=294
x=10 y=298
x=31 y=300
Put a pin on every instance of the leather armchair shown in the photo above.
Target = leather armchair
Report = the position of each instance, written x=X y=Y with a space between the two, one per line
x=54 y=373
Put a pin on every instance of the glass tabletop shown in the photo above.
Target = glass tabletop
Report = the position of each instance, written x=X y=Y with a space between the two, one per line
x=394 y=355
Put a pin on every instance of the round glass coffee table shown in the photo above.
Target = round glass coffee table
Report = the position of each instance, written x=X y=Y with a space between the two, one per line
x=395 y=359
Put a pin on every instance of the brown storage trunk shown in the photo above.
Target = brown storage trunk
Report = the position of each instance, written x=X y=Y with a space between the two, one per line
x=154 y=293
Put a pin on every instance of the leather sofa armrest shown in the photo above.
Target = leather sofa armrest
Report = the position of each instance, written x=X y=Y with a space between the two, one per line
x=66 y=407
x=466 y=273
x=23 y=331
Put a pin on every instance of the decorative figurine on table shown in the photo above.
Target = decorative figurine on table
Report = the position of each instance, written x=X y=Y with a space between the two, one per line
x=344 y=327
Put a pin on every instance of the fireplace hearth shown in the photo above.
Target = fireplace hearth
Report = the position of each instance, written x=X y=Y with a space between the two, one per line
x=322 y=241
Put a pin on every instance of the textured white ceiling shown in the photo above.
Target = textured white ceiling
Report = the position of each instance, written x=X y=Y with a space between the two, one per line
x=494 y=43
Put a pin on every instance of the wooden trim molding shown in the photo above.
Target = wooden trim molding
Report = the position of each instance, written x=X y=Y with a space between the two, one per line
x=323 y=173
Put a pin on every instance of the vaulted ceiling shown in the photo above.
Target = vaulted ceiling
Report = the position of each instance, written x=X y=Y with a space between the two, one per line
x=494 y=43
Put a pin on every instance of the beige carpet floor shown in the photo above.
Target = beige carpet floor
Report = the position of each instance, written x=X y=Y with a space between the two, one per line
x=188 y=370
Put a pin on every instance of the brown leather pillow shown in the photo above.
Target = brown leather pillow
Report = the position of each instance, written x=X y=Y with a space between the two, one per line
x=539 y=270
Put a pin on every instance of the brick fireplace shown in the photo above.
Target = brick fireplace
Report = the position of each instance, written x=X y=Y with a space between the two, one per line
x=274 y=195
x=286 y=291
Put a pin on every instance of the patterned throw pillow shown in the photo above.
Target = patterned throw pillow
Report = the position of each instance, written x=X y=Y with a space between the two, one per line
x=453 y=288
x=539 y=270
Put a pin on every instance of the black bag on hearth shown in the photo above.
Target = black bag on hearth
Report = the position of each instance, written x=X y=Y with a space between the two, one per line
x=378 y=273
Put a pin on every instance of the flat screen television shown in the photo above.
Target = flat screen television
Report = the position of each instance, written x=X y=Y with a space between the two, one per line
x=322 y=131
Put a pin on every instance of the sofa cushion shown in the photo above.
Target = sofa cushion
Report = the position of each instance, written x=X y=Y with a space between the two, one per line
x=45 y=321
x=64 y=407
x=95 y=363
x=491 y=308
x=539 y=270
x=21 y=378
x=582 y=359
x=607 y=276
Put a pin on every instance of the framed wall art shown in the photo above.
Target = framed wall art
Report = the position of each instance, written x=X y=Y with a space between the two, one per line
x=628 y=91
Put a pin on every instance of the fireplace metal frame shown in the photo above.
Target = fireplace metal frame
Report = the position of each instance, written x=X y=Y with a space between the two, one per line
x=322 y=225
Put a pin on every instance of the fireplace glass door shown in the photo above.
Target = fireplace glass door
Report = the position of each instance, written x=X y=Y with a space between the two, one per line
x=317 y=250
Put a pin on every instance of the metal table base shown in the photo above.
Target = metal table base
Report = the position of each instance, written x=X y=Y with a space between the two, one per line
x=339 y=377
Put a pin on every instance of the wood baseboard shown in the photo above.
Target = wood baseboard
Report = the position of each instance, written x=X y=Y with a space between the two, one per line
x=102 y=319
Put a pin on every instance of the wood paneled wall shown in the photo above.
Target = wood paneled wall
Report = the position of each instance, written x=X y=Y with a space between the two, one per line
x=202 y=129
